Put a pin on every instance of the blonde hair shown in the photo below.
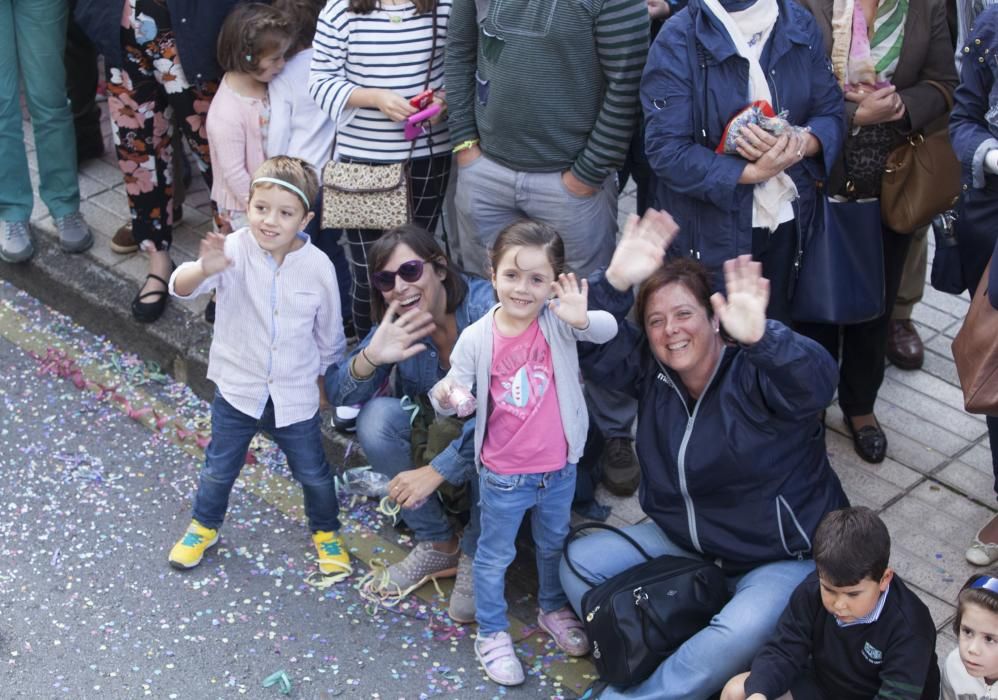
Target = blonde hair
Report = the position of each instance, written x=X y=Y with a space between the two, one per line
x=294 y=171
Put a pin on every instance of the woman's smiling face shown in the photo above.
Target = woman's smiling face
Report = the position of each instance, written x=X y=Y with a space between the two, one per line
x=681 y=334
x=426 y=293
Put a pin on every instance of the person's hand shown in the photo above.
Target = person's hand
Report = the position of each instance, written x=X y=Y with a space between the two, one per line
x=396 y=337
x=788 y=149
x=414 y=485
x=753 y=142
x=440 y=98
x=641 y=249
x=468 y=155
x=575 y=185
x=441 y=394
x=211 y=254
x=571 y=300
x=876 y=106
x=394 y=106
x=743 y=313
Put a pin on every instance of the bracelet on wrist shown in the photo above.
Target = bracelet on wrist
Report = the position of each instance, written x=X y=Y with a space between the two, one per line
x=465 y=145
x=367 y=358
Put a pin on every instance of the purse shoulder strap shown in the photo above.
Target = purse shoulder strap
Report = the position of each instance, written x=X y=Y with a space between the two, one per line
x=573 y=534
x=947 y=93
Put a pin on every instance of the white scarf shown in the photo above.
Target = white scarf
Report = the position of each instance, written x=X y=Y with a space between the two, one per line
x=770 y=199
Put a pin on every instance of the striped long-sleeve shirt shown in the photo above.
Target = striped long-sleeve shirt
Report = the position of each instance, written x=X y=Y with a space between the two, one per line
x=388 y=48
x=548 y=85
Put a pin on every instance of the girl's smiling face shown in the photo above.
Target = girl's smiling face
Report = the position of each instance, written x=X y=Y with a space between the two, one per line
x=522 y=281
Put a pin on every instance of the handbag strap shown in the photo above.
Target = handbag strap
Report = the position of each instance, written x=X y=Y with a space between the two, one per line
x=574 y=533
x=947 y=93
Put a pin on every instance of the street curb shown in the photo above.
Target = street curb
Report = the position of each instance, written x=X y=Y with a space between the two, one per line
x=100 y=300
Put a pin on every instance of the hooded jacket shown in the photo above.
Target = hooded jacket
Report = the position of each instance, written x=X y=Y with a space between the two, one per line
x=740 y=475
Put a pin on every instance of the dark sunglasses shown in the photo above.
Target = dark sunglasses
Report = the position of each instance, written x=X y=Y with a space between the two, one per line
x=411 y=271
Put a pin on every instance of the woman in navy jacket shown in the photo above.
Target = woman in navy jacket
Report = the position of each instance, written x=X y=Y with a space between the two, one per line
x=694 y=82
x=731 y=446
x=974 y=131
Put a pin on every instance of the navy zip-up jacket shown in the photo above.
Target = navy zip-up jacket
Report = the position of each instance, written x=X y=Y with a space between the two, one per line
x=741 y=475
x=693 y=67
x=196 y=24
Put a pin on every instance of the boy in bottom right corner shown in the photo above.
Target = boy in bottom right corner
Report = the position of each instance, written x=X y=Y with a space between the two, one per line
x=852 y=629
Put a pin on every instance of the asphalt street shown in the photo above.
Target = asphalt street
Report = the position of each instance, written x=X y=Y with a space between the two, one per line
x=99 y=454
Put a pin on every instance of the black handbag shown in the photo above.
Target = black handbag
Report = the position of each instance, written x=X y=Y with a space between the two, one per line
x=841 y=279
x=947 y=272
x=865 y=156
x=638 y=618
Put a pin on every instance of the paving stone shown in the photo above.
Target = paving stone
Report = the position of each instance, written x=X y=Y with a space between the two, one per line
x=114 y=200
x=103 y=171
x=940 y=344
x=186 y=239
x=626 y=508
x=89 y=186
x=134 y=267
x=979 y=456
x=954 y=328
x=952 y=304
x=931 y=386
x=916 y=428
x=100 y=219
x=102 y=250
x=932 y=411
x=976 y=483
x=945 y=641
x=941 y=366
x=941 y=611
x=930 y=317
x=911 y=453
x=945 y=513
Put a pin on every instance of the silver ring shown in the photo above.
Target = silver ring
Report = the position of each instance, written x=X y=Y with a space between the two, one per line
x=800 y=154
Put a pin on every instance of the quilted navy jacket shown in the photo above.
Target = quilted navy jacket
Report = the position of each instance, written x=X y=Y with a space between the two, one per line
x=694 y=76
x=741 y=475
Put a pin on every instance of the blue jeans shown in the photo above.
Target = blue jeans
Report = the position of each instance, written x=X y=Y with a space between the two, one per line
x=702 y=665
x=231 y=433
x=32 y=43
x=504 y=500
x=384 y=432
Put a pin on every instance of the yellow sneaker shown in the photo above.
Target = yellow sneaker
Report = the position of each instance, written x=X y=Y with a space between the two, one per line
x=332 y=552
x=187 y=553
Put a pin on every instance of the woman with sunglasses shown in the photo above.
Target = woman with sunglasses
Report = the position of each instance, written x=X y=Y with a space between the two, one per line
x=421 y=305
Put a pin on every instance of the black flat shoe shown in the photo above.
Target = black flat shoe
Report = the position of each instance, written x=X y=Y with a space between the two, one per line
x=870 y=441
x=149 y=311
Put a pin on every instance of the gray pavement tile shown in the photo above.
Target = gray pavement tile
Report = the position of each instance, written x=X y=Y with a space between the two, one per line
x=627 y=508
x=916 y=455
x=930 y=317
x=942 y=367
x=193 y=217
x=187 y=239
x=197 y=198
x=940 y=344
x=915 y=427
x=954 y=328
x=89 y=186
x=940 y=390
x=979 y=457
x=133 y=267
x=941 y=611
x=891 y=473
x=945 y=641
x=102 y=249
x=953 y=304
x=931 y=411
x=945 y=513
x=102 y=170
x=114 y=200
x=976 y=483
x=101 y=221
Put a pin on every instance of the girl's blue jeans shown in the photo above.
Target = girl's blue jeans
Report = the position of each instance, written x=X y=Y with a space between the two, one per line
x=701 y=666
x=231 y=433
x=504 y=499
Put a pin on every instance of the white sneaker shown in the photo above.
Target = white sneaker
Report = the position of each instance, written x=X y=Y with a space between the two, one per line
x=15 y=241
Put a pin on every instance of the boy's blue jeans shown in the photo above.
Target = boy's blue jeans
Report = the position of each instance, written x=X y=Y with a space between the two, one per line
x=231 y=433
x=725 y=647
x=504 y=500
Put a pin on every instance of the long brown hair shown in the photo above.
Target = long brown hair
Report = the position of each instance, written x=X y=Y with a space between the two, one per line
x=423 y=244
x=366 y=7
x=248 y=33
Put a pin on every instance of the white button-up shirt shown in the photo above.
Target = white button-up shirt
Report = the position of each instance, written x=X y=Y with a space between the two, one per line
x=277 y=328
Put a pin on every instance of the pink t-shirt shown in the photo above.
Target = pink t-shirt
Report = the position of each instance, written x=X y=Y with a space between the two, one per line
x=525 y=434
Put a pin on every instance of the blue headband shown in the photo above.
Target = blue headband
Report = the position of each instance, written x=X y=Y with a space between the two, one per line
x=288 y=186
x=987 y=583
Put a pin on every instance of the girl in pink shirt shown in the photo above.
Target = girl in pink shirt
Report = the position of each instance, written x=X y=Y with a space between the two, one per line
x=521 y=364
x=251 y=49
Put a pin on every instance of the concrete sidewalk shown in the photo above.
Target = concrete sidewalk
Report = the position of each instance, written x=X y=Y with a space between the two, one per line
x=934 y=490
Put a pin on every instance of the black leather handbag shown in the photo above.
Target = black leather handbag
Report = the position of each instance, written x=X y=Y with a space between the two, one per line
x=841 y=278
x=638 y=618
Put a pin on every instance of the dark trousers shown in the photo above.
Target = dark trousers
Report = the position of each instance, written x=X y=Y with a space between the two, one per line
x=776 y=251
x=427 y=186
x=864 y=345
x=81 y=86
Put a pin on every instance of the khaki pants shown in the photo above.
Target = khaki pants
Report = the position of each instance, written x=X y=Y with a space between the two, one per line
x=913 y=276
